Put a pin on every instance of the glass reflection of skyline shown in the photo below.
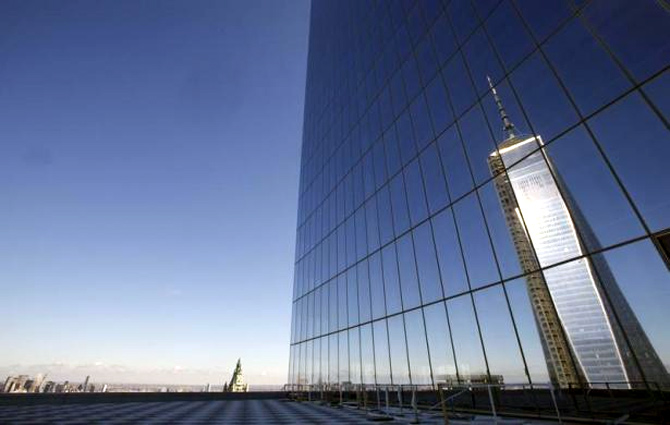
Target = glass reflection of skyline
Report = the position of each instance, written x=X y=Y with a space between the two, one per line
x=407 y=269
x=581 y=338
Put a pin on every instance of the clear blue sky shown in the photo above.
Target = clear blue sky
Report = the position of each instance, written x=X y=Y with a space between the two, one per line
x=149 y=176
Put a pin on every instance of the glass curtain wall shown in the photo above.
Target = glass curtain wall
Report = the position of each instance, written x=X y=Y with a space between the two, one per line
x=482 y=190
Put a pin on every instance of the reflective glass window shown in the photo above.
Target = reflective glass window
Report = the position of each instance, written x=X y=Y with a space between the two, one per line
x=438 y=104
x=449 y=255
x=589 y=73
x=636 y=142
x=416 y=196
x=598 y=206
x=436 y=188
x=398 y=350
x=467 y=345
x=354 y=356
x=343 y=357
x=408 y=278
x=417 y=348
x=455 y=164
x=637 y=32
x=439 y=343
x=364 y=304
x=479 y=260
x=399 y=204
x=429 y=276
x=367 y=355
x=423 y=128
x=543 y=100
x=391 y=280
x=376 y=286
x=382 y=361
x=637 y=283
x=500 y=342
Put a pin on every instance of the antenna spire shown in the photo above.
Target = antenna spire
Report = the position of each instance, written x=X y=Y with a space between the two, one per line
x=508 y=127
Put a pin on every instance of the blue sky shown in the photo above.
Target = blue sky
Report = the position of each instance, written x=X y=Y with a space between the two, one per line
x=149 y=179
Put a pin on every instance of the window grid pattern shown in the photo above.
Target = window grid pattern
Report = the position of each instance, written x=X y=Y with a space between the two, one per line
x=398 y=221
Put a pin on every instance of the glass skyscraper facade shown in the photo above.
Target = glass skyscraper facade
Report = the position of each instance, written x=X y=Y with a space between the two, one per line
x=484 y=195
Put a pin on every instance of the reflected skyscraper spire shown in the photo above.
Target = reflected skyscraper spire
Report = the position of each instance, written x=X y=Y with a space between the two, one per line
x=574 y=307
x=508 y=127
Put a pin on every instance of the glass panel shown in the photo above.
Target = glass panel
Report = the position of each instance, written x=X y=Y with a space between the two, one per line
x=393 y=161
x=408 y=279
x=449 y=255
x=423 y=128
x=443 y=39
x=367 y=355
x=599 y=208
x=361 y=235
x=482 y=61
x=418 y=350
x=364 y=304
x=429 y=277
x=500 y=341
x=351 y=241
x=637 y=283
x=385 y=215
x=636 y=142
x=543 y=17
x=316 y=368
x=416 y=196
x=527 y=323
x=382 y=363
x=463 y=18
x=410 y=73
x=436 y=188
x=399 y=369
x=439 y=343
x=637 y=32
x=478 y=143
x=659 y=91
x=372 y=225
x=438 y=103
x=469 y=356
x=458 y=84
x=477 y=251
x=354 y=356
x=455 y=164
x=343 y=357
x=586 y=69
x=332 y=297
x=496 y=210
x=352 y=297
x=391 y=281
x=543 y=100
x=376 y=286
x=399 y=204
x=308 y=363
x=333 y=376
x=325 y=304
x=343 y=320
x=509 y=35
x=379 y=165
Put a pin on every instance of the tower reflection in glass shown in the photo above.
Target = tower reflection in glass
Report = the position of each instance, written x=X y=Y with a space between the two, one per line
x=572 y=304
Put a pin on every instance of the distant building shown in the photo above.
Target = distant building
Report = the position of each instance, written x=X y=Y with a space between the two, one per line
x=237 y=384
x=578 y=330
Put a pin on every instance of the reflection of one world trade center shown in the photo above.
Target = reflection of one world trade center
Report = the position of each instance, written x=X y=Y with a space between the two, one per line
x=581 y=337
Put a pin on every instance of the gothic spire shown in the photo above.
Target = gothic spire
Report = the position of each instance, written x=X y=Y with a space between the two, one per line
x=508 y=127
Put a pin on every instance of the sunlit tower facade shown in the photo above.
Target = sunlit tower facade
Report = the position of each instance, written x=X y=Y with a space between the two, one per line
x=577 y=327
